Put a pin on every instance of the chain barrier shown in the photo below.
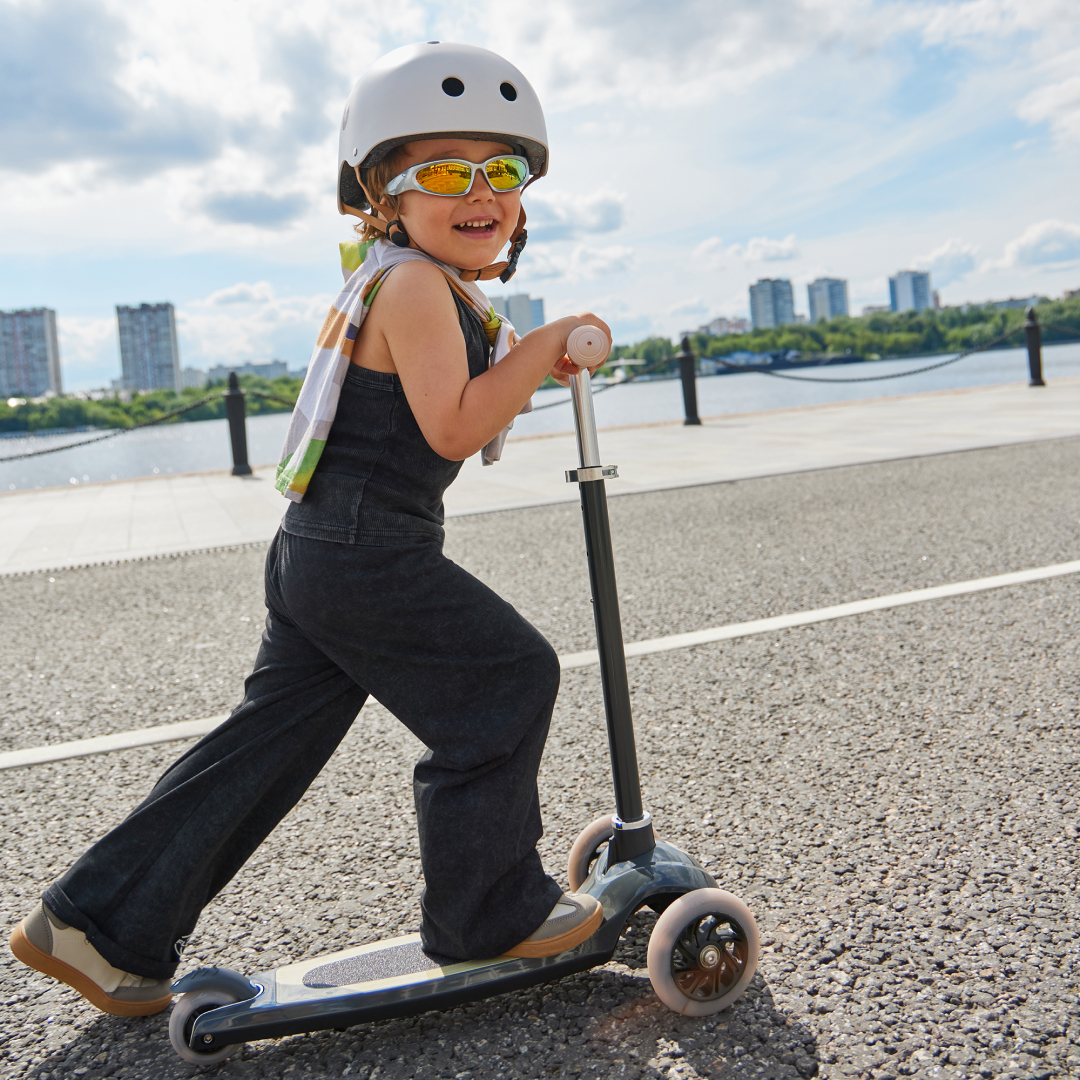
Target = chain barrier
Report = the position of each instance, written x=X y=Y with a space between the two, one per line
x=808 y=378
x=119 y=431
x=270 y=397
x=145 y=424
x=1060 y=329
x=872 y=378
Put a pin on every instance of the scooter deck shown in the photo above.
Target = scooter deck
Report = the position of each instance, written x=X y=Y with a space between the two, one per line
x=377 y=982
x=392 y=978
x=399 y=961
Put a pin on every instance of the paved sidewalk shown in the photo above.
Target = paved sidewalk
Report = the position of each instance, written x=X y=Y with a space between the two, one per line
x=893 y=794
x=134 y=519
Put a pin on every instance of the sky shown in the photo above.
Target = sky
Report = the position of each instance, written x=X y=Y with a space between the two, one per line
x=187 y=153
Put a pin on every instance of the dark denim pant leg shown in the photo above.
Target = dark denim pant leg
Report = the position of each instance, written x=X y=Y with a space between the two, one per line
x=141 y=888
x=476 y=684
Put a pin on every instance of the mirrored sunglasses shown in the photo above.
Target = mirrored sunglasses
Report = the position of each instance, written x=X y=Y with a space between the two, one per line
x=454 y=177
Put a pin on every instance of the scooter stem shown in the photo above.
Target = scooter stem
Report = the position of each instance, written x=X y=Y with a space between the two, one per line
x=633 y=825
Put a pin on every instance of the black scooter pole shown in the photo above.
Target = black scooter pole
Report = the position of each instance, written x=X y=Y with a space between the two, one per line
x=633 y=824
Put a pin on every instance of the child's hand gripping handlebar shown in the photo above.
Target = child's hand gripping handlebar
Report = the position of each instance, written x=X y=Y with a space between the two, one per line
x=587 y=346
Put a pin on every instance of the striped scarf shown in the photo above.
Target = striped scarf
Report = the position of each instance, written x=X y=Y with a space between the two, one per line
x=365 y=267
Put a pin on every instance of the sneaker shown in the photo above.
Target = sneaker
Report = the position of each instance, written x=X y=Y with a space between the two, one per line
x=43 y=942
x=573 y=919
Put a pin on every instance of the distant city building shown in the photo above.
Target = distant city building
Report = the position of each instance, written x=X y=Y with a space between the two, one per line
x=525 y=313
x=149 y=355
x=877 y=309
x=828 y=298
x=275 y=369
x=910 y=291
x=1011 y=303
x=721 y=326
x=1071 y=294
x=29 y=353
x=772 y=303
x=193 y=379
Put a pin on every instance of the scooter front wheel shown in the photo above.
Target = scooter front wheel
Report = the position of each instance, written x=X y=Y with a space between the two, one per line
x=703 y=952
x=586 y=848
x=185 y=1012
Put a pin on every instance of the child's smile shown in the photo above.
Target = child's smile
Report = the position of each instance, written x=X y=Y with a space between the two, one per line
x=478 y=228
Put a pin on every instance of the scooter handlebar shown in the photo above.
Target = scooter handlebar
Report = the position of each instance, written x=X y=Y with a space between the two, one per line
x=587 y=346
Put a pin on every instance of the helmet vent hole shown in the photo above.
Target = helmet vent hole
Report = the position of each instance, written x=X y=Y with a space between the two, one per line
x=508 y=91
x=453 y=87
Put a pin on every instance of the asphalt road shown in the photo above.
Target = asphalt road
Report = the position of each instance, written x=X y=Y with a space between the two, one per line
x=895 y=794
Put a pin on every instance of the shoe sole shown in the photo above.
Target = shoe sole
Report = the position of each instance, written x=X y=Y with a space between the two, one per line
x=27 y=952
x=553 y=946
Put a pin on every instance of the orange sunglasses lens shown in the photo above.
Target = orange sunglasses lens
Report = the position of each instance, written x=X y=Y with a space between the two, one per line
x=445 y=178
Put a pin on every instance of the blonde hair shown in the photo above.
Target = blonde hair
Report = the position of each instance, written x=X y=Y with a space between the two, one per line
x=375 y=180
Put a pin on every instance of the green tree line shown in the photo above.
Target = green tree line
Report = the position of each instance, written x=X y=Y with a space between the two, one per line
x=906 y=333
x=111 y=412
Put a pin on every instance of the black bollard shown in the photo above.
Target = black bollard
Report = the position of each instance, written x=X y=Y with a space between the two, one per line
x=1034 y=346
x=687 y=363
x=236 y=412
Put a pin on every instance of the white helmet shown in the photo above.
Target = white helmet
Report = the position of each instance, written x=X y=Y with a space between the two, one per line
x=436 y=88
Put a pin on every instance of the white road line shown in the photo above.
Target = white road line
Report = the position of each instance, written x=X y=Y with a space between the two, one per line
x=840 y=611
x=103 y=744
x=187 y=729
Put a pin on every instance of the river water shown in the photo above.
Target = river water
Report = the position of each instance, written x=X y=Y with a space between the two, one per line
x=204 y=445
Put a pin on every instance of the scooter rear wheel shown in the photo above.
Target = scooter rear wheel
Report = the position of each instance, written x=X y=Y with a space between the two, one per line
x=586 y=848
x=185 y=1012
x=703 y=952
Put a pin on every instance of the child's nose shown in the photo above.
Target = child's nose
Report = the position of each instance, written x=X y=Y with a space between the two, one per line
x=481 y=190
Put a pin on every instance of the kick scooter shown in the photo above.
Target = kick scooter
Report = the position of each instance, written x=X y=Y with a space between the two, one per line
x=702 y=951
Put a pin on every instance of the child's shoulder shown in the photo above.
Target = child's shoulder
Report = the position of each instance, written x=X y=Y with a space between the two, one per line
x=415 y=288
x=417 y=283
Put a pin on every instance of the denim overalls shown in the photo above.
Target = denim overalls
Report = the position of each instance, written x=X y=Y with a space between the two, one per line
x=360 y=600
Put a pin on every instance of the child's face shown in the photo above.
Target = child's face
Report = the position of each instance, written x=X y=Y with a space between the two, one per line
x=468 y=231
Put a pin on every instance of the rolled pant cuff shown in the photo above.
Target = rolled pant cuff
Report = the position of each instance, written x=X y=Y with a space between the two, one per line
x=56 y=900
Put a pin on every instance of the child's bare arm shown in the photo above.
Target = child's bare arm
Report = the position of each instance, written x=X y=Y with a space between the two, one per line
x=458 y=415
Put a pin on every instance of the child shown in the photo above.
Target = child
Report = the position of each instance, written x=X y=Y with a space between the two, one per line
x=437 y=139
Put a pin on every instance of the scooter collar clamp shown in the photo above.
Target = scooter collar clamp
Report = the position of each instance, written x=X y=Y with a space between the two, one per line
x=627 y=826
x=592 y=472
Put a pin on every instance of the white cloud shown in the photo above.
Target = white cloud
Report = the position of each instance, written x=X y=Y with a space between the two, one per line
x=691 y=306
x=762 y=249
x=1047 y=243
x=89 y=351
x=1058 y=104
x=712 y=255
x=709 y=254
x=563 y=215
x=609 y=51
x=949 y=262
x=243 y=292
x=870 y=291
x=582 y=263
x=240 y=323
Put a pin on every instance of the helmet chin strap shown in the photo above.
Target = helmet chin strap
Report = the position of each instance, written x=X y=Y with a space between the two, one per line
x=395 y=232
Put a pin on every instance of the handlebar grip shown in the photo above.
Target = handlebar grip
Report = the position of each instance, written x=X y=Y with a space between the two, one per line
x=587 y=346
